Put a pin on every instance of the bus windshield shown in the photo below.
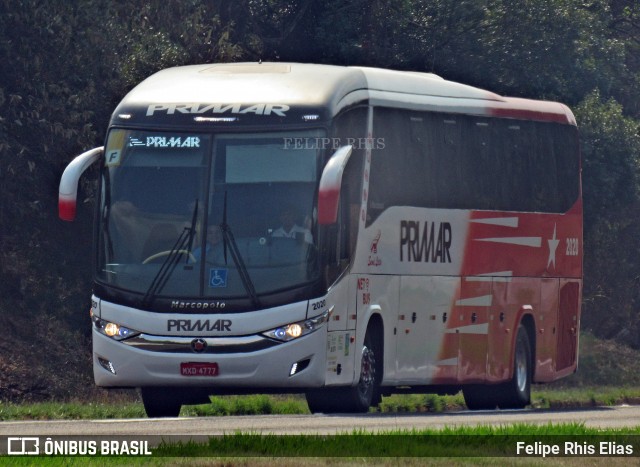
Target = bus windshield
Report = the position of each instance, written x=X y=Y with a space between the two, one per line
x=187 y=215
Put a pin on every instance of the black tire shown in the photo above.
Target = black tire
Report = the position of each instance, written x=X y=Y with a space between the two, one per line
x=161 y=402
x=480 y=397
x=326 y=400
x=516 y=393
x=366 y=393
x=358 y=398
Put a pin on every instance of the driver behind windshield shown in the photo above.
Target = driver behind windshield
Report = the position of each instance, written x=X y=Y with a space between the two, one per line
x=214 y=237
x=289 y=228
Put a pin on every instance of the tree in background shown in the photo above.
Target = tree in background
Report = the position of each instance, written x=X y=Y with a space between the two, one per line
x=46 y=86
x=611 y=156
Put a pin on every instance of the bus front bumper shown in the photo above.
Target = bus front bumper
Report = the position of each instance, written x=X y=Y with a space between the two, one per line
x=300 y=363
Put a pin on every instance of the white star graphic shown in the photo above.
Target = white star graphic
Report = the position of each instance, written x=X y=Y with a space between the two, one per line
x=553 y=246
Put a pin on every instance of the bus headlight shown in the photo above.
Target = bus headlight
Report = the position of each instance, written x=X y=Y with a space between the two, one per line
x=299 y=329
x=113 y=330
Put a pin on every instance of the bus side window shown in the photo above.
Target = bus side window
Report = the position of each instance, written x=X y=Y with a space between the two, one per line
x=565 y=147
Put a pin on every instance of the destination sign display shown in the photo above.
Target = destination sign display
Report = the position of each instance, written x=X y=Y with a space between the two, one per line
x=165 y=141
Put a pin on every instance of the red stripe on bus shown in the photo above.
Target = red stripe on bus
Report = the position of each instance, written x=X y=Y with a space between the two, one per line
x=67 y=209
x=525 y=109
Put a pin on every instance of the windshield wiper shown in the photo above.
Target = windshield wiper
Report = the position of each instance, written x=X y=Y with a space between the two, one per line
x=182 y=246
x=192 y=229
x=232 y=246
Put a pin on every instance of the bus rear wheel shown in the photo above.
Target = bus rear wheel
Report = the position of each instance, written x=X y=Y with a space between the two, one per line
x=515 y=393
x=160 y=402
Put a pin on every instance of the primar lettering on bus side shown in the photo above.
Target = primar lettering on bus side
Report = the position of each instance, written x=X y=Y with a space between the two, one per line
x=199 y=325
x=426 y=242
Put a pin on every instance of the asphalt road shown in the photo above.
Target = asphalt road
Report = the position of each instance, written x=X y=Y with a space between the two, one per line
x=603 y=417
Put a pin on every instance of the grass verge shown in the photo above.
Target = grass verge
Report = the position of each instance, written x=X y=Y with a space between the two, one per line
x=483 y=445
x=483 y=441
x=267 y=404
x=609 y=374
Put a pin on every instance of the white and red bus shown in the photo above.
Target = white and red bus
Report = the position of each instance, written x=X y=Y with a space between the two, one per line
x=343 y=232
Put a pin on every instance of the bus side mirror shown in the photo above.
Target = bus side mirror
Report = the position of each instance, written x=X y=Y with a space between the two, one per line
x=69 y=182
x=330 y=184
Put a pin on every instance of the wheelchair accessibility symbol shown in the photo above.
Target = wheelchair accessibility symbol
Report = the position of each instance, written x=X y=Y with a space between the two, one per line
x=218 y=277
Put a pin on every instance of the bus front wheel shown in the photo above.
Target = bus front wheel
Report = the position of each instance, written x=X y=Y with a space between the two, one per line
x=160 y=402
x=364 y=394
x=358 y=398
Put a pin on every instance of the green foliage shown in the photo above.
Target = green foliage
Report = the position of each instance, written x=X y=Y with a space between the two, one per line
x=70 y=411
x=611 y=158
x=603 y=363
x=611 y=153
x=248 y=405
x=459 y=442
x=555 y=49
x=555 y=396
x=421 y=403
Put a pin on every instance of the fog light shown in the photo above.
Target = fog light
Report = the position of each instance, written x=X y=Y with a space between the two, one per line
x=299 y=366
x=107 y=365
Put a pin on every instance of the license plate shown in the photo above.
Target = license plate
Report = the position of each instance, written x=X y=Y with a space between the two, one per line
x=199 y=369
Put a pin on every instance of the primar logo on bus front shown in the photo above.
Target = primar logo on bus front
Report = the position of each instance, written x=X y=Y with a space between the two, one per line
x=427 y=242
x=199 y=325
x=199 y=109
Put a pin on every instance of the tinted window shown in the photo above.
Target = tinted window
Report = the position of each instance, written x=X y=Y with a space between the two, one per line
x=465 y=162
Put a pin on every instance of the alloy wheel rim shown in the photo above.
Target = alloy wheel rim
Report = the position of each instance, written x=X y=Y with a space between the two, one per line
x=521 y=369
x=367 y=372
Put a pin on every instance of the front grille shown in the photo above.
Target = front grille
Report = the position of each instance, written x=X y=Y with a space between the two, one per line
x=215 y=345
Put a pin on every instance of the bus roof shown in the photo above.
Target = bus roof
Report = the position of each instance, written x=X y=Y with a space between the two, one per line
x=299 y=93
